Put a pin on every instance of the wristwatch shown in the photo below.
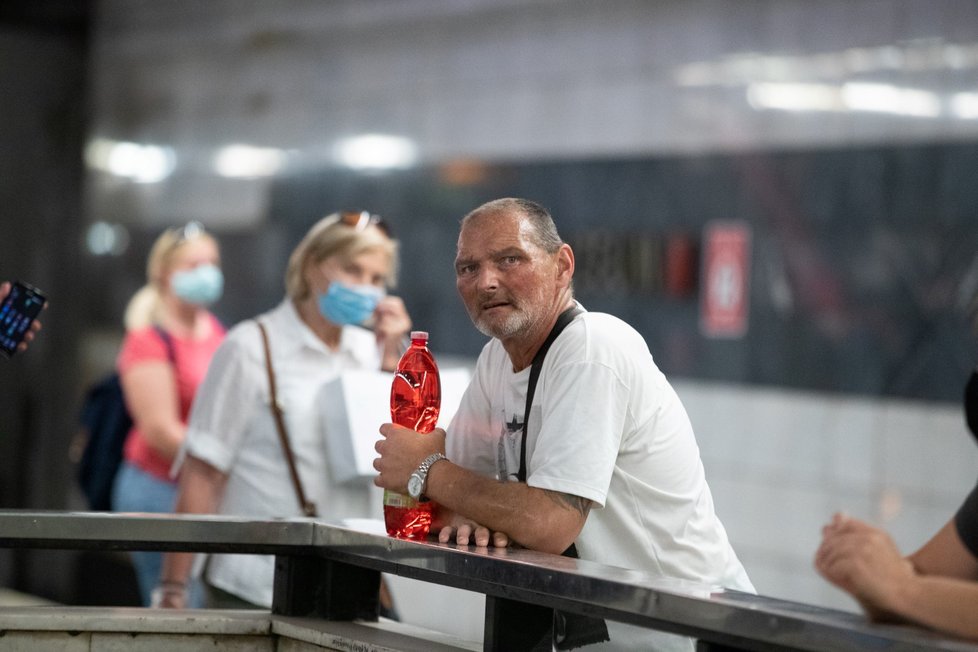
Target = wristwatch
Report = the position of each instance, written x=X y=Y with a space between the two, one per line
x=419 y=479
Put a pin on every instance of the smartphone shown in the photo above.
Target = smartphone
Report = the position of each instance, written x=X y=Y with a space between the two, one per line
x=21 y=307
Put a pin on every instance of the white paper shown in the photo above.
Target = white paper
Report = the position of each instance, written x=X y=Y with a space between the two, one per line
x=354 y=406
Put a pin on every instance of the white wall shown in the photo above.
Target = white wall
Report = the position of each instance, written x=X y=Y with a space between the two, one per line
x=780 y=463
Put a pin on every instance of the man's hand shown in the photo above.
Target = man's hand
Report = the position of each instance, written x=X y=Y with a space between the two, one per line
x=401 y=452
x=463 y=531
x=864 y=561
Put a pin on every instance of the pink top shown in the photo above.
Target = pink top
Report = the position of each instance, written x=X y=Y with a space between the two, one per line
x=192 y=358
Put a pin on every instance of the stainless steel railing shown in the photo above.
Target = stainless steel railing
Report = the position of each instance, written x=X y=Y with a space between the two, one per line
x=331 y=572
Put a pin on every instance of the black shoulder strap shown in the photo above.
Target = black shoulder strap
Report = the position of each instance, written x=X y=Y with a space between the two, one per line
x=168 y=341
x=568 y=630
x=565 y=318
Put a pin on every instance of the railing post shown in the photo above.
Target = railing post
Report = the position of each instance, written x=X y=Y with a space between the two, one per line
x=512 y=625
x=307 y=586
x=707 y=646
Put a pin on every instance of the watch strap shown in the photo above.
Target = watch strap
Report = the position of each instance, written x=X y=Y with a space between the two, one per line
x=425 y=466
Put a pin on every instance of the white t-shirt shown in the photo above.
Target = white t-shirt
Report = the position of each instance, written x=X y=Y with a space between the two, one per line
x=606 y=425
x=231 y=428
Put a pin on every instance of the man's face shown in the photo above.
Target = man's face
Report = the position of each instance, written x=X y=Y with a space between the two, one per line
x=507 y=283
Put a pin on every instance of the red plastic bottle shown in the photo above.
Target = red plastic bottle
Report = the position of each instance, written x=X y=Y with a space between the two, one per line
x=415 y=403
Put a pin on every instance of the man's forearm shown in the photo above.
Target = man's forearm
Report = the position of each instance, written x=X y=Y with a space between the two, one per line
x=532 y=517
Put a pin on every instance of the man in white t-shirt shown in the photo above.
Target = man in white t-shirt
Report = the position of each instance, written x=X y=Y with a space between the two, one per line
x=611 y=463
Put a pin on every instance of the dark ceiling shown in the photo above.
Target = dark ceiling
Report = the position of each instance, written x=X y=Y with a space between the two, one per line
x=52 y=17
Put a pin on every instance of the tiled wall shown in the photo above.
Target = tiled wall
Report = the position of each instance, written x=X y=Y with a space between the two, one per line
x=781 y=463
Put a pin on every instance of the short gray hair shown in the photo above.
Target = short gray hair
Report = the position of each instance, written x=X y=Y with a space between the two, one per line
x=543 y=230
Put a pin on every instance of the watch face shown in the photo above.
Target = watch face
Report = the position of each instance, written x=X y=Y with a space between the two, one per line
x=414 y=486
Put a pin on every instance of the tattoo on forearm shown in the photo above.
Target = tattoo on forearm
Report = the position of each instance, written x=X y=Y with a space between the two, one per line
x=582 y=505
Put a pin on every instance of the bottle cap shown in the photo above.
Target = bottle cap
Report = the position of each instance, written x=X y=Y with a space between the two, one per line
x=419 y=335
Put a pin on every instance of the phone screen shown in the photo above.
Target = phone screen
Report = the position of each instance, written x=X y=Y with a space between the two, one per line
x=18 y=310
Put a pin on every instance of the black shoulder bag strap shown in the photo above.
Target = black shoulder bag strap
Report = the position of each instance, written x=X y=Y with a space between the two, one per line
x=563 y=320
x=168 y=341
x=569 y=630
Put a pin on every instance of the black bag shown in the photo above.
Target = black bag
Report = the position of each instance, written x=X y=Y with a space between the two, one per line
x=105 y=423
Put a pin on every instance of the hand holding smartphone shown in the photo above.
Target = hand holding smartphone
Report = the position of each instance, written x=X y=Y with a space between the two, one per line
x=18 y=310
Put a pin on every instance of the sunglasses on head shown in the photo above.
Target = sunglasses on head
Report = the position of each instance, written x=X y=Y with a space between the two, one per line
x=360 y=220
x=189 y=231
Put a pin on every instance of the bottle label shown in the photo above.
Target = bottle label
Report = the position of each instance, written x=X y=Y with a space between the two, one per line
x=392 y=499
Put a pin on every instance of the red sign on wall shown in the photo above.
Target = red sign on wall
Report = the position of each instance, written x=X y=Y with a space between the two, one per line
x=725 y=287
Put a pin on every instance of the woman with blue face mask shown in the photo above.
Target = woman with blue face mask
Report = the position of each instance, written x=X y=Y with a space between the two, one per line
x=337 y=315
x=171 y=336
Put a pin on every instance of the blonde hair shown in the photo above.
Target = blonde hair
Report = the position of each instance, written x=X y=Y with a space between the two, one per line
x=331 y=237
x=145 y=308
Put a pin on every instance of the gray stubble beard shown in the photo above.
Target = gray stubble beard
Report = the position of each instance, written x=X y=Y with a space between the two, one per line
x=510 y=327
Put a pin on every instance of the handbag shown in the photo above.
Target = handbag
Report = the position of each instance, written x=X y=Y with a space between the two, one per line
x=105 y=424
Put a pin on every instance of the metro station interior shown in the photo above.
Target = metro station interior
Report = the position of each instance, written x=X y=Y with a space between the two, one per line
x=836 y=141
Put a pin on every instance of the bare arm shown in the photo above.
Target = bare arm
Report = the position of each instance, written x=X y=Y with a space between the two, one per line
x=944 y=603
x=945 y=554
x=945 y=595
x=151 y=396
x=538 y=519
x=935 y=586
x=200 y=490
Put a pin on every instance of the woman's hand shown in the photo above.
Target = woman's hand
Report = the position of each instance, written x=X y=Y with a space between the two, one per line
x=391 y=325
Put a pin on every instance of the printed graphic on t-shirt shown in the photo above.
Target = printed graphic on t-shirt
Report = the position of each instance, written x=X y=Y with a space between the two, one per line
x=508 y=449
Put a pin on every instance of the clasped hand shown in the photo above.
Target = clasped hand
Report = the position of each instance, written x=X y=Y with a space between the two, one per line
x=864 y=561
x=401 y=451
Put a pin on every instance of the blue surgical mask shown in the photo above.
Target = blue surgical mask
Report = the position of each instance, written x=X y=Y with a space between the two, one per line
x=201 y=286
x=349 y=304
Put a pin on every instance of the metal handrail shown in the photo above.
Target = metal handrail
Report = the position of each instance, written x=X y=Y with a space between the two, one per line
x=332 y=572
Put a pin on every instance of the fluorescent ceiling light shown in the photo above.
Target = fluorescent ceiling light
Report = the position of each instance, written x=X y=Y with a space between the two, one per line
x=246 y=161
x=878 y=98
x=884 y=98
x=141 y=163
x=376 y=152
x=965 y=106
x=795 y=97
x=748 y=67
